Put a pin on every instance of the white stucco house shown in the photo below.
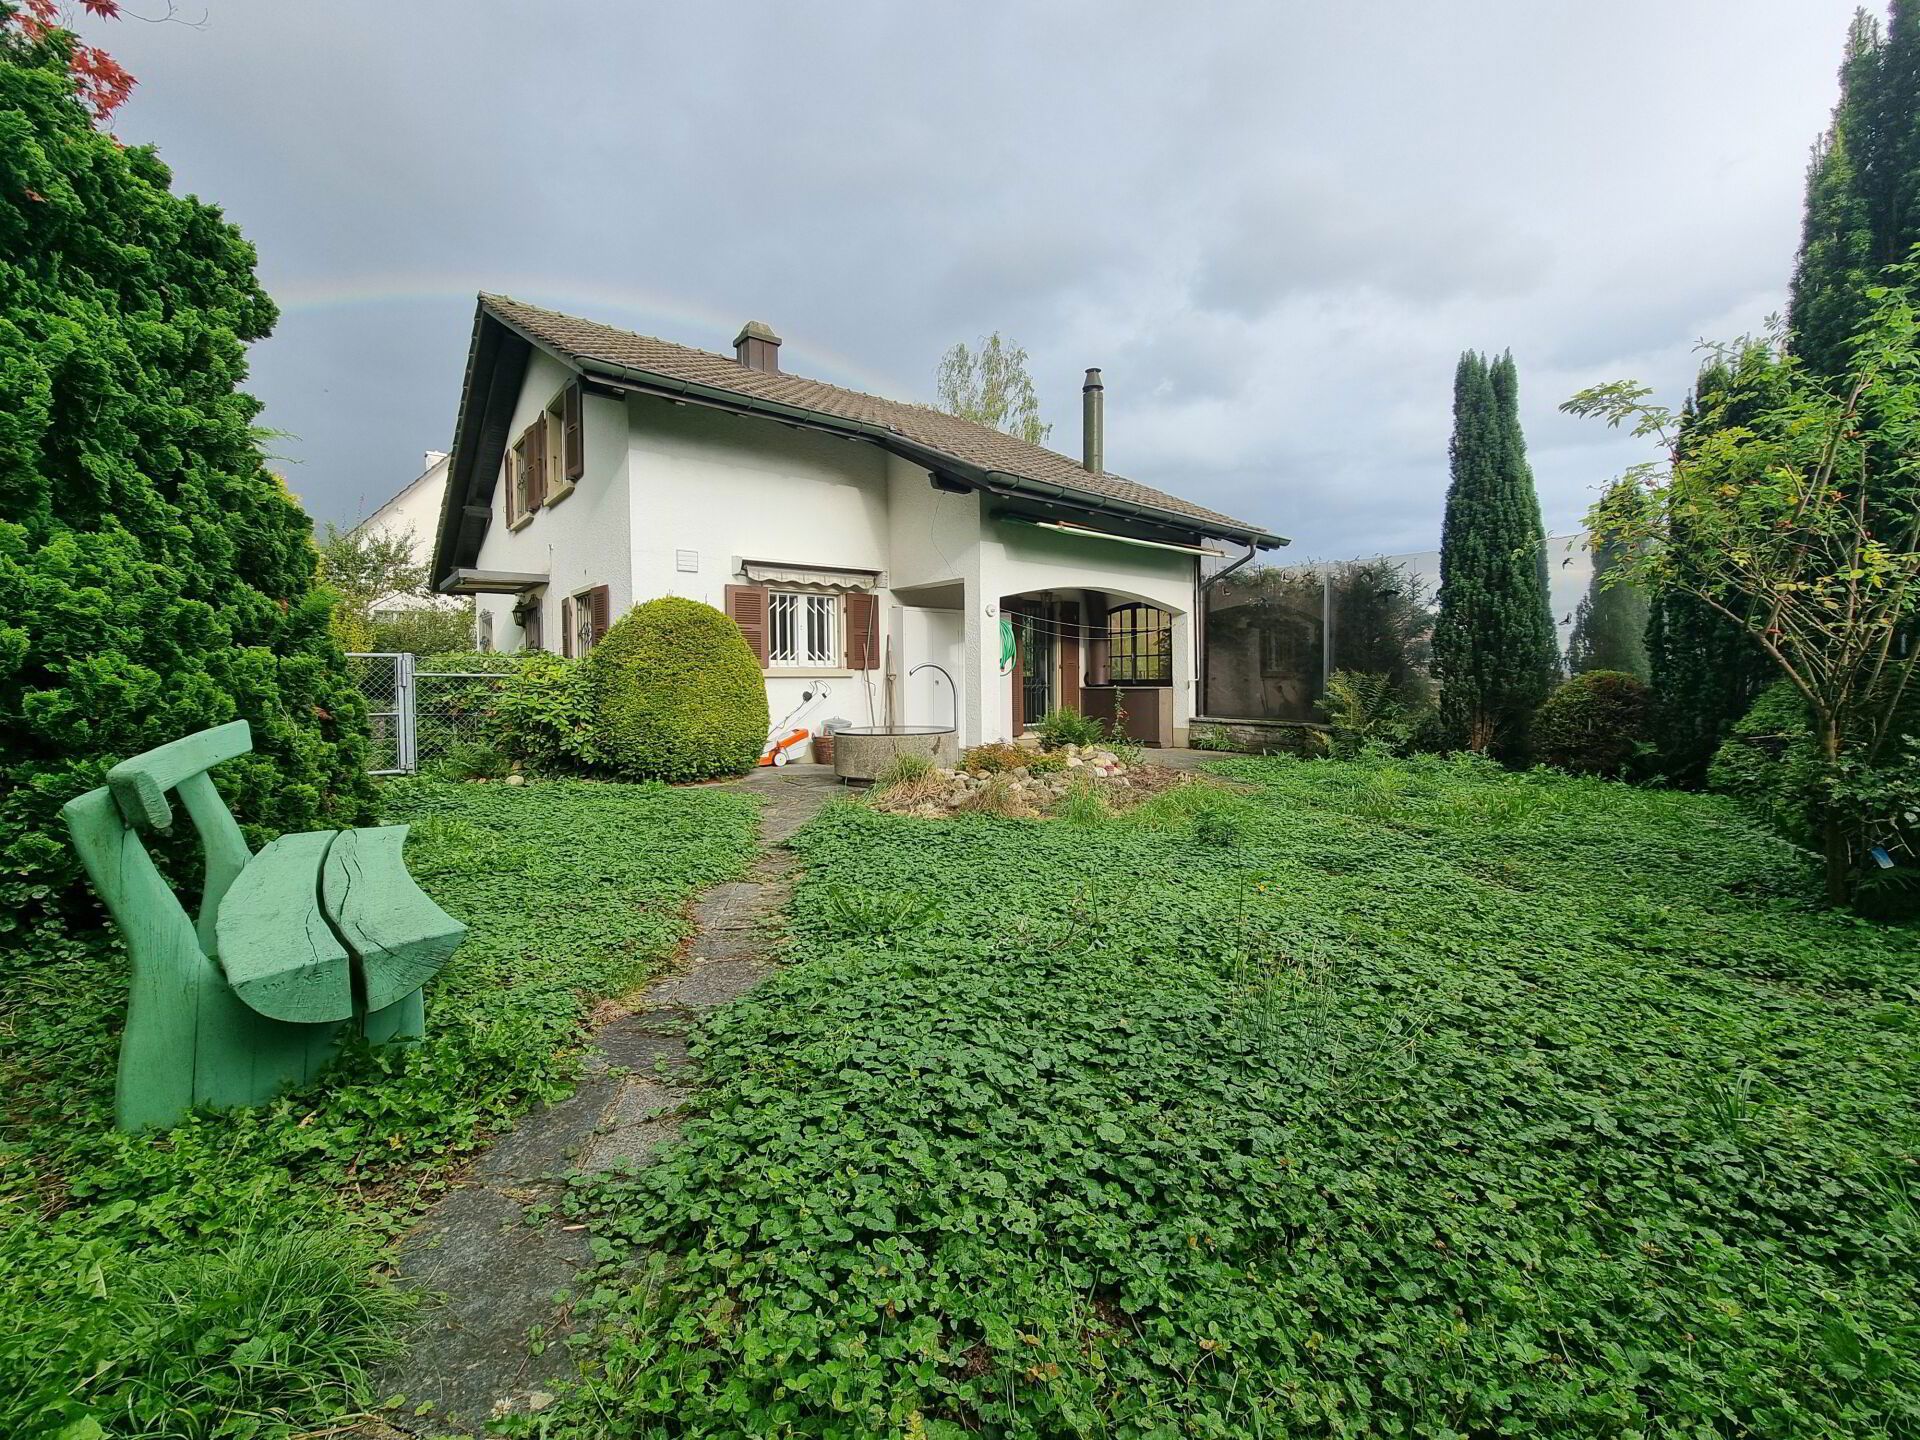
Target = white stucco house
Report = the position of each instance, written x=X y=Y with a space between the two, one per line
x=921 y=568
x=415 y=514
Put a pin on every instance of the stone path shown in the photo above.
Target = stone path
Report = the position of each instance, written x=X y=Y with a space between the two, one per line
x=470 y=1358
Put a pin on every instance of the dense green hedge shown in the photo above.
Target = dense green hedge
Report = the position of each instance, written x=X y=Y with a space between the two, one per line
x=676 y=694
x=155 y=579
x=1593 y=724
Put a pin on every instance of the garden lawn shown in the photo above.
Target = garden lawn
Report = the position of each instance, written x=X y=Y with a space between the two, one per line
x=218 y=1279
x=1383 y=1098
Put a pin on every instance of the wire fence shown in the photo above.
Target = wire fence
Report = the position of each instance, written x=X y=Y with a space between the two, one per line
x=416 y=717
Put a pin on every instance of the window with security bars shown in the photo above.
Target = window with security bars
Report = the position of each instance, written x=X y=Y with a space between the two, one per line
x=802 y=628
x=1139 y=645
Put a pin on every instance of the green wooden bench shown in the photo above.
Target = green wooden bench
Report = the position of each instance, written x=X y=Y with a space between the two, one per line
x=315 y=937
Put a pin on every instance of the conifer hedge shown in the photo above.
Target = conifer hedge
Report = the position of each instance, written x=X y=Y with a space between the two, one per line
x=155 y=578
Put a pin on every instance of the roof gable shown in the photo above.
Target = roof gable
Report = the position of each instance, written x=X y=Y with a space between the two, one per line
x=979 y=454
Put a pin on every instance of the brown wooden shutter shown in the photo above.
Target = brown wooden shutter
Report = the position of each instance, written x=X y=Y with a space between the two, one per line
x=863 y=636
x=1069 y=614
x=574 y=453
x=599 y=606
x=566 y=626
x=516 y=470
x=537 y=464
x=747 y=605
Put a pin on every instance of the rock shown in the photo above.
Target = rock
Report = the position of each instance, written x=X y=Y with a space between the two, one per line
x=1075 y=760
x=516 y=779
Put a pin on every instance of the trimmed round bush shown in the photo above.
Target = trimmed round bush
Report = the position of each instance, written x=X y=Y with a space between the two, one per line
x=676 y=694
x=1593 y=724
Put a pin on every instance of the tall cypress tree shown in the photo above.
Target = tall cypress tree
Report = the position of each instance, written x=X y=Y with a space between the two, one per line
x=1494 y=649
x=1610 y=627
x=1705 y=671
x=1862 y=214
x=1839 y=253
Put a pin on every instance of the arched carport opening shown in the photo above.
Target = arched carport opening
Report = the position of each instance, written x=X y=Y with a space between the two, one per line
x=1105 y=653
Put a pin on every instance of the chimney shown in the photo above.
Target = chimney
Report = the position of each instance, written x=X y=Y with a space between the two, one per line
x=757 y=347
x=1093 y=423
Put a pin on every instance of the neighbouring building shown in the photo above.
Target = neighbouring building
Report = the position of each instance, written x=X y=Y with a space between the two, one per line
x=917 y=567
x=415 y=514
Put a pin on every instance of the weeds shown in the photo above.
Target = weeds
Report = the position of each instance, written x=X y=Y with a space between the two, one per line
x=1326 y=1132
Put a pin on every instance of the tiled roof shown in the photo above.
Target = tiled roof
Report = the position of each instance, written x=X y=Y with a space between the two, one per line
x=587 y=342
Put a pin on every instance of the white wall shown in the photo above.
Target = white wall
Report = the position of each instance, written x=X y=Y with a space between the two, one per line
x=1019 y=559
x=579 y=540
x=415 y=514
x=938 y=637
x=676 y=496
x=729 y=488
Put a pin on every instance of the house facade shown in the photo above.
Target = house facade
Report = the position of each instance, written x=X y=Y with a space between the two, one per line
x=413 y=514
x=902 y=565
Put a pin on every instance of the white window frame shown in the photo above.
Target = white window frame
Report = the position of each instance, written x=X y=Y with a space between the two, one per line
x=803 y=630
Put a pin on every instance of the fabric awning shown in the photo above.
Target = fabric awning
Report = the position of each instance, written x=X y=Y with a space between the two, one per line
x=827 y=577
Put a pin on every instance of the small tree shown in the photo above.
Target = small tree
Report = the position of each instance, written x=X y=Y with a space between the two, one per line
x=365 y=567
x=1800 y=527
x=991 y=386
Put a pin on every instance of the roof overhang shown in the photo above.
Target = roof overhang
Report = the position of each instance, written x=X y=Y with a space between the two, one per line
x=946 y=468
x=1087 y=532
x=489 y=582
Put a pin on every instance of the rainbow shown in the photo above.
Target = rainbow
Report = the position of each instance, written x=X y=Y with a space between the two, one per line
x=656 y=313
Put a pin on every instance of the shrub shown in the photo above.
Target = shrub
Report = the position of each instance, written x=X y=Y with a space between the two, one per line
x=1046 y=763
x=1211 y=737
x=1063 y=726
x=155 y=577
x=543 y=715
x=422 y=631
x=1771 y=764
x=676 y=694
x=994 y=759
x=906 y=766
x=1593 y=724
x=1368 y=711
x=468 y=760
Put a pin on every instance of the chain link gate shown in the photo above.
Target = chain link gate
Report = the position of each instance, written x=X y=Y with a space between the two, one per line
x=415 y=717
x=386 y=679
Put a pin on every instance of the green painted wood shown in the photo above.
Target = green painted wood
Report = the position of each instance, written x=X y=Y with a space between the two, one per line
x=279 y=954
x=315 y=933
x=397 y=935
x=170 y=975
x=222 y=845
x=140 y=785
x=401 y=1023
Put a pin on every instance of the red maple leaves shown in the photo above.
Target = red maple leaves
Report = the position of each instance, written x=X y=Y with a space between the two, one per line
x=101 y=81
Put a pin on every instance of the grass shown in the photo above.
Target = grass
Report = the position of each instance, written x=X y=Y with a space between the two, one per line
x=1372 y=1099
x=222 y=1278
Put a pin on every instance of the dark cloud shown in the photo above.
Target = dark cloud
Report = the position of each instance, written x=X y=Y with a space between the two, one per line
x=1275 y=227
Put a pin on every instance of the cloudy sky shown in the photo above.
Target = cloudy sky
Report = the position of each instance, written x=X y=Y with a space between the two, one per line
x=1274 y=225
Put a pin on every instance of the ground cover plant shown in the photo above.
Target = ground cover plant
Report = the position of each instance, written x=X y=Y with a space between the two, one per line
x=218 y=1279
x=1393 y=1097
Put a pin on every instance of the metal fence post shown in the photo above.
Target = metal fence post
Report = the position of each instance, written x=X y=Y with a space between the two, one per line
x=408 y=734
